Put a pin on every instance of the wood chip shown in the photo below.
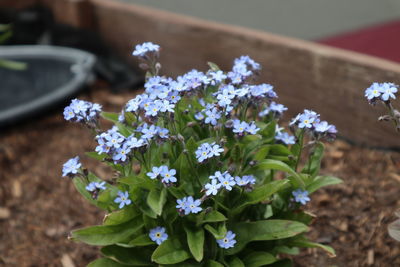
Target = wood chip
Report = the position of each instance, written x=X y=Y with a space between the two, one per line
x=4 y=213
x=370 y=257
x=16 y=189
x=66 y=261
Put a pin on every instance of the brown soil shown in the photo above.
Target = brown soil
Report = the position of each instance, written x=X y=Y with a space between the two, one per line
x=38 y=208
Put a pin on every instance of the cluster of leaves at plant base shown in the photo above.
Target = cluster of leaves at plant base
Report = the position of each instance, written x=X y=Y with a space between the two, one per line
x=267 y=221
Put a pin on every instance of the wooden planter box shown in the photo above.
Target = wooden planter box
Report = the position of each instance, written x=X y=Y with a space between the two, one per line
x=305 y=75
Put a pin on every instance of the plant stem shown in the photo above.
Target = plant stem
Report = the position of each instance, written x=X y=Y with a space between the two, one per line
x=301 y=137
x=391 y=112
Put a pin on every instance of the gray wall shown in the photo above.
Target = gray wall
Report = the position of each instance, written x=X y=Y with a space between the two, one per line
x=306 y=19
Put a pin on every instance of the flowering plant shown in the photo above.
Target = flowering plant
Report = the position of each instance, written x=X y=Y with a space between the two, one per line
x=205 y=176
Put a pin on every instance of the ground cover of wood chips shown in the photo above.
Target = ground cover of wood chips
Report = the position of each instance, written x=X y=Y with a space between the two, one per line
x=38 y=208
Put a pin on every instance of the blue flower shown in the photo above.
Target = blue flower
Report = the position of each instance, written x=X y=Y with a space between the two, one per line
x=133 y=142
x=142 y=49
x=82 y=111
x=322 y=127
x=133 y=104
x=121 y=153
x=183 y=205
x=239 y=126
x=285 y=138
x=388 y=90
x=305 y=121
x=69 y=113
x=212 y=188
x=245 y=180
x=225 y=98
x=188 y=205
x=148 y=132
x=158 y=235
x=163 y=133
x=156 y=171
x=228 y=241
x=71 y=167
x=202 y=152
x=123 y=199
x=227 y=181
x=275 y=108
x=373 y=92
x=217 y=76
x=212 y=116
x=114 y=140
x=301 y=196
x=193 y=205
x=168 y=176
x=215 y=150
x=252 y=128
x=96 y=186
x=199 y=116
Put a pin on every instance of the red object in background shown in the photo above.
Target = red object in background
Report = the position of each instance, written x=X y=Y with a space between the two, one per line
x=381 y=40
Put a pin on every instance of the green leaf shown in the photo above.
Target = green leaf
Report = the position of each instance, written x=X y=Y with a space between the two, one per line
x=213 y=216
x=121 y=216
x=110 y=116
x=268 y=133
x=236 y=262
x=321 y=181
x=105 y=262
x=169 y=252
x=195 y=240
x=157 y=199
x=217 y=233
x=123 y=129
x=282 y=263
x=211 y=263
x=260 y=194
x=130 y=256
x=103 y=235
x=96 y=156
x=141 y=241
x=259 y=258
x=80 y=185
x=314 y=163
x=279 y=165
x=304 y=243
x=262 y=152
x=263 y=231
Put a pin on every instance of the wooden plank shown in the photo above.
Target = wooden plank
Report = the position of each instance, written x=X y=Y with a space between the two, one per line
x=306 y=75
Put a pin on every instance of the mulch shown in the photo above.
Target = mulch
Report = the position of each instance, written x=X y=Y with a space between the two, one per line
x=38 y=208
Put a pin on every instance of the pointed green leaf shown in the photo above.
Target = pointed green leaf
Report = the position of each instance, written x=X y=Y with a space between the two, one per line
x=260 y=194
x=217 y=233
x=314 y=163
x=263 y=231
x=304 y=243
x=110 y=116
x=236 y=262
x=169 y=252
x=259 y=258
x=213 y=216
x=213 y=66
x=130 y=256
x=195 y=240
x=321 y=181
x=121 y=216
x=102 y=235
x=157 y=199
x=212 y=263
x=280 y=166
x=141 y=241
x=105 y=262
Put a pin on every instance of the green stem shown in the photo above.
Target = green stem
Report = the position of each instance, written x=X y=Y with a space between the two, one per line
x=301 y=137
x=391 y=112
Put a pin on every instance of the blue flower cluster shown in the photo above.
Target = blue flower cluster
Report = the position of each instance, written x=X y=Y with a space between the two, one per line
x=206 y=151
x=82 y=111
x=117 y=146
x=168 y=176
x=273 y=108
x=142 y=49
x=242 y=127
x=243 y=68
x=71 y=167
x=188 y=205
x=309 y=120
x=225 y=180
x=93 y=186
x=381 y=91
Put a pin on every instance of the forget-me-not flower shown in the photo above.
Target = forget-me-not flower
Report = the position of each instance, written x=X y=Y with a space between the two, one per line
x=301 y=196
x=228 y=241
x=71 y=167
x=158 y=235
x=123 y=199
